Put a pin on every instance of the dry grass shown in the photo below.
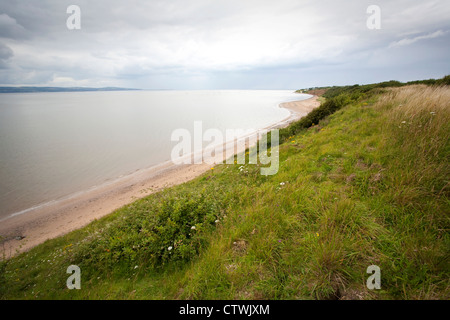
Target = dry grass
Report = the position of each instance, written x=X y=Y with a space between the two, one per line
x=419 y=117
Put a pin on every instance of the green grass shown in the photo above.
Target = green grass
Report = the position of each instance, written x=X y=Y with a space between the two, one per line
x=366 y=184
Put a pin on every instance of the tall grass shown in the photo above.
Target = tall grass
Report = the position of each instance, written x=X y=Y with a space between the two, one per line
x=416 y=130
x=418 y=118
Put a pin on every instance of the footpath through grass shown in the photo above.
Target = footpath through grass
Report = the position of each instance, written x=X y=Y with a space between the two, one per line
x=362 y=181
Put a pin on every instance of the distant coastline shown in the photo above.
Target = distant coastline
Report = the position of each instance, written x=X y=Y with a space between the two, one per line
x=26 y=89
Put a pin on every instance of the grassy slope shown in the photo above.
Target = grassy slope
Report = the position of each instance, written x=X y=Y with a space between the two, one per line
x=367 y=185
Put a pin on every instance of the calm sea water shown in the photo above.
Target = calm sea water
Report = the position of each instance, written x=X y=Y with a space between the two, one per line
x=56 y=144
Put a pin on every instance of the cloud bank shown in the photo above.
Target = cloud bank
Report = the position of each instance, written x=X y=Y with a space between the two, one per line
x=204 y=44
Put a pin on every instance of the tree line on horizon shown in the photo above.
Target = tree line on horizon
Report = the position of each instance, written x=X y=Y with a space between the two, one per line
x=333 y=91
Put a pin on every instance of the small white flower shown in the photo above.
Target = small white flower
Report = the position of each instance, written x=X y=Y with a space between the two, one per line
x=282 y=184
x=217 y=221
x=193 y=228
x=135 y=267
x=169 y=248
x=403 y=121
x=433 y=113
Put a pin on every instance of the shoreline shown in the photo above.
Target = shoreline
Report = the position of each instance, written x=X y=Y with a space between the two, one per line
x=22 y=232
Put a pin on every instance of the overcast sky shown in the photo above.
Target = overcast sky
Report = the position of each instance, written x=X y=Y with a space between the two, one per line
x=216 y=44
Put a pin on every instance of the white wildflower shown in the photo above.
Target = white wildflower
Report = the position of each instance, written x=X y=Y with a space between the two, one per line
x=193 y=228
x=169 y=248
x=217 y=221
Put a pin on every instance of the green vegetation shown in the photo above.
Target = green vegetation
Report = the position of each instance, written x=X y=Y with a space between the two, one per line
x=329 y=92
x=363 y=180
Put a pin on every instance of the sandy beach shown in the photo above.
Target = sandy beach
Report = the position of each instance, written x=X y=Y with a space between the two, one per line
x=22 y=232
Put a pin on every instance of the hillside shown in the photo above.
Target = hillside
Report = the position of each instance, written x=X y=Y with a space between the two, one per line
x=363 y=180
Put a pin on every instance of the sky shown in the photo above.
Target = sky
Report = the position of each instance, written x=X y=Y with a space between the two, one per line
x=216 y=44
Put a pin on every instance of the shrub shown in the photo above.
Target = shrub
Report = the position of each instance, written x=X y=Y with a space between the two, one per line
x=173 y=230
x=445 y=81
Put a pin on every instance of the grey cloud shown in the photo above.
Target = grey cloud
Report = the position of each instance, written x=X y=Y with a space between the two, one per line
x=173 y=43
x=9 y=28
x=408 y=41
x=5 y=52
